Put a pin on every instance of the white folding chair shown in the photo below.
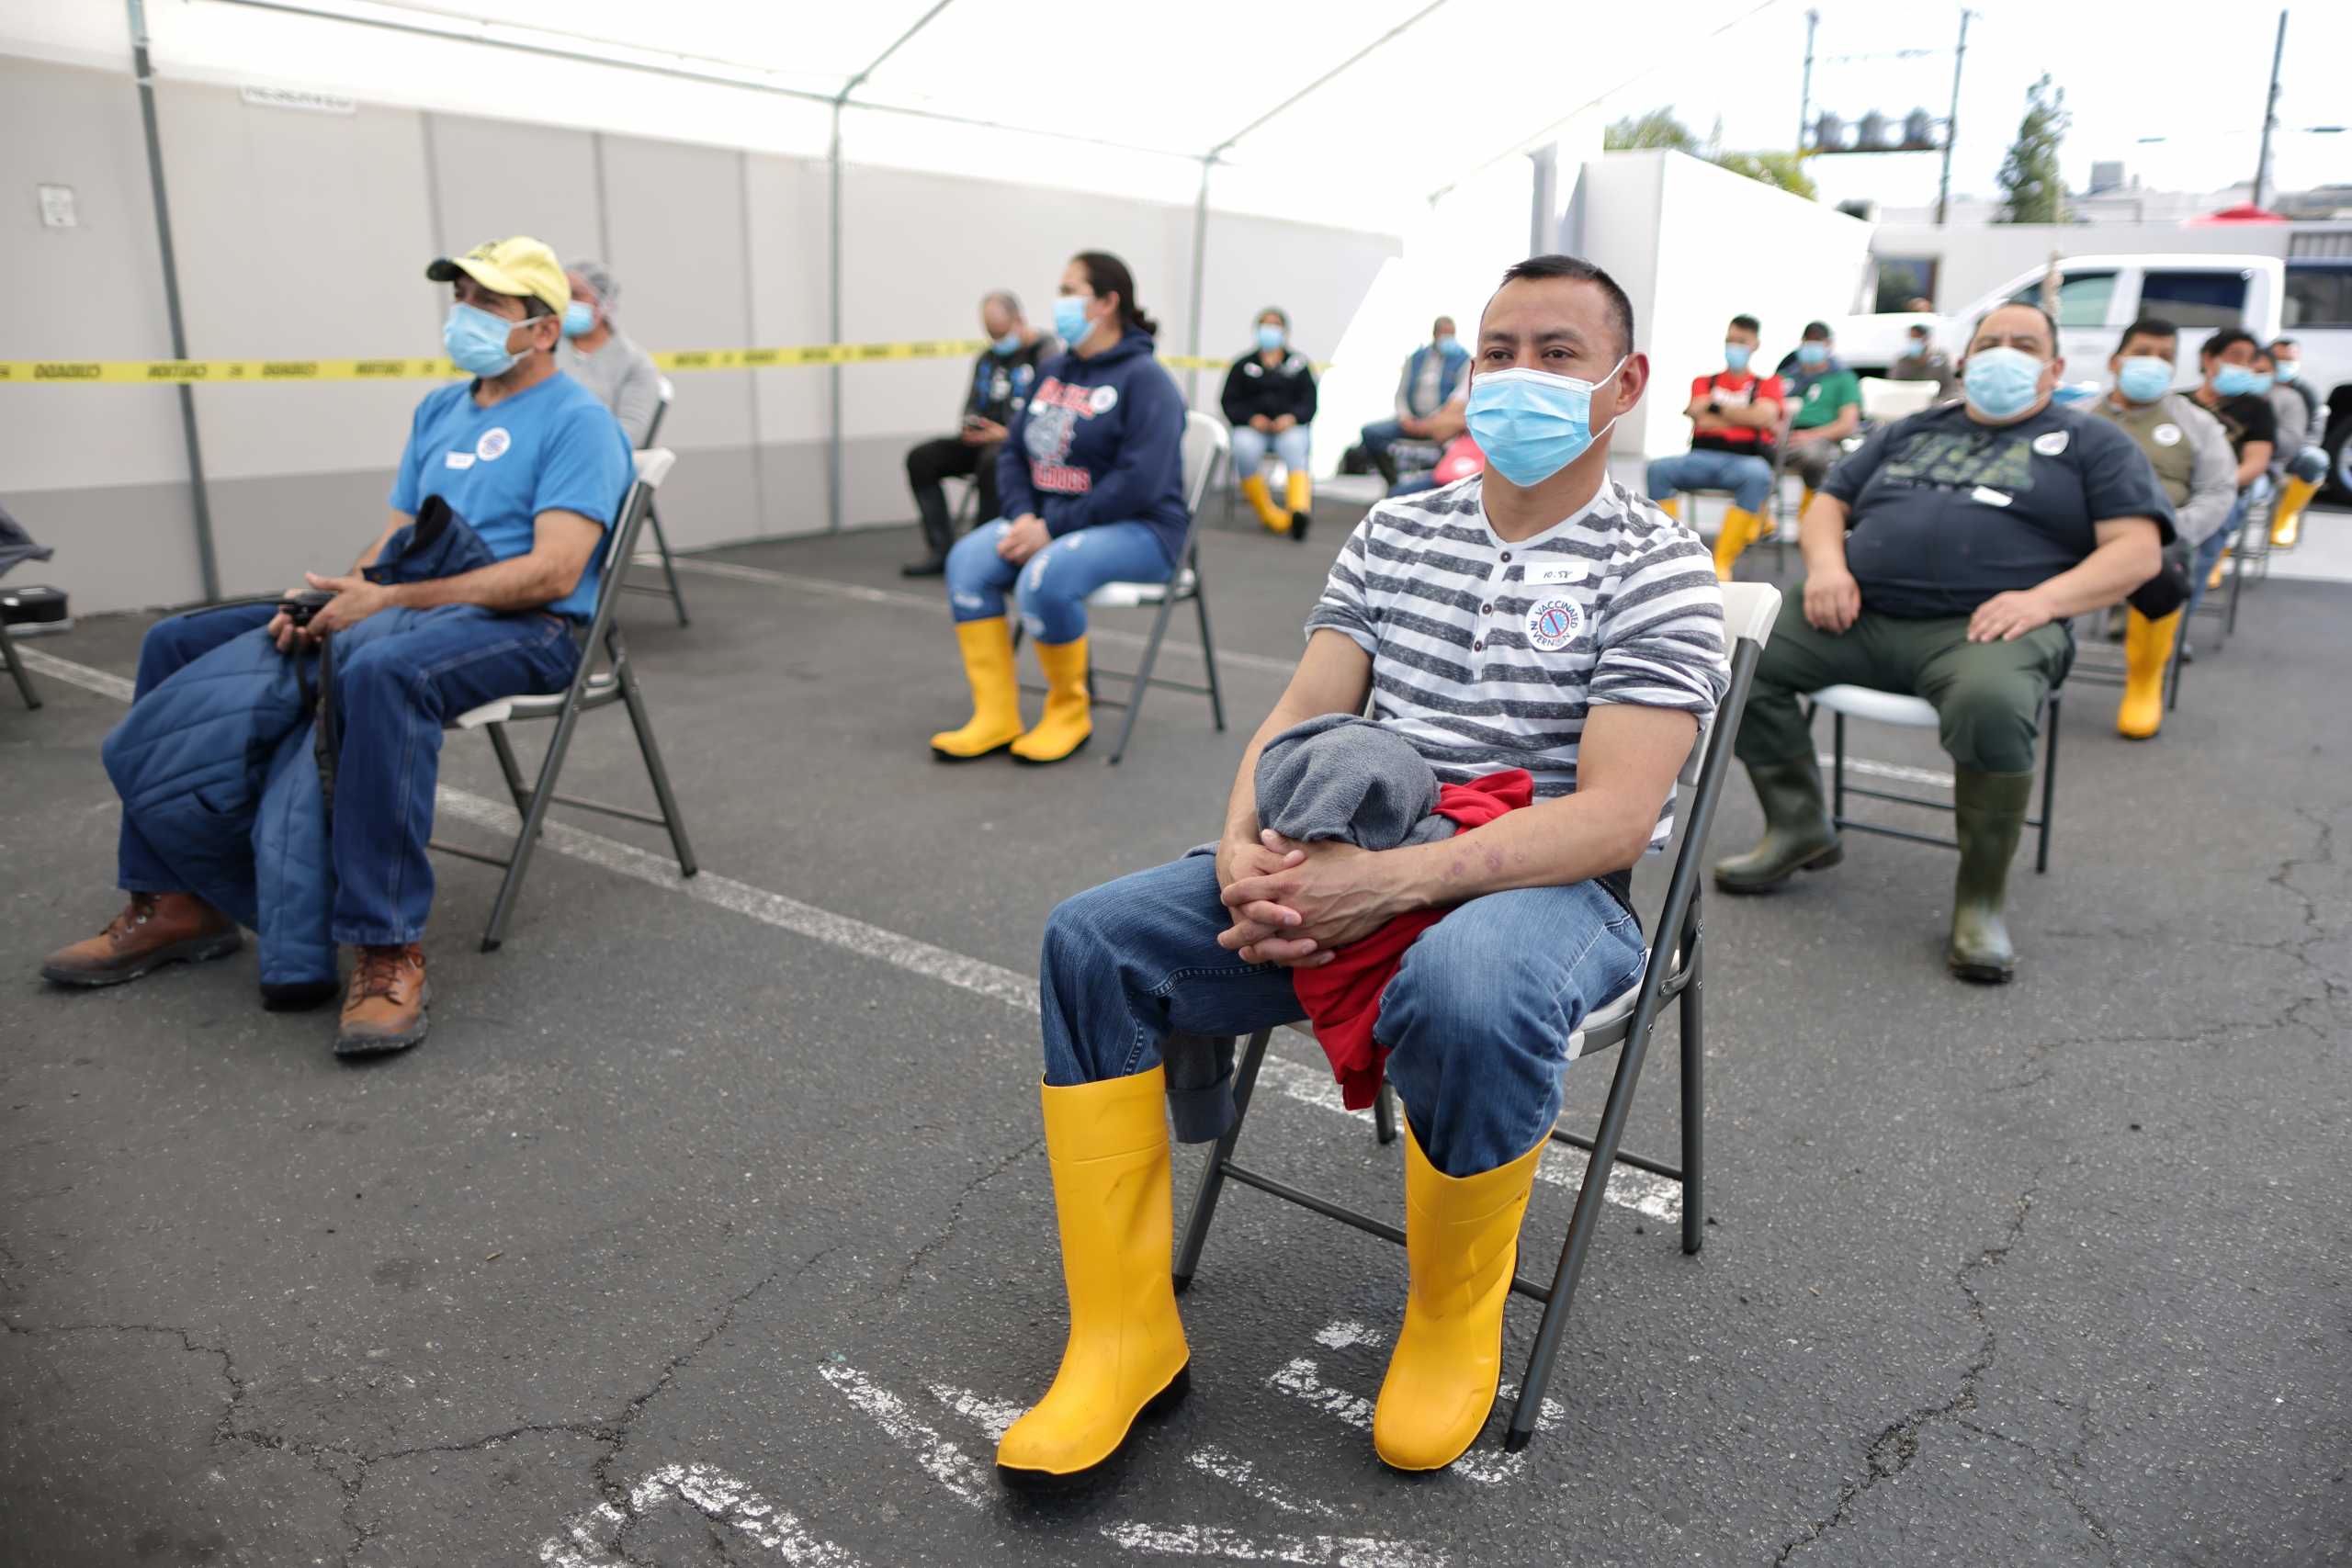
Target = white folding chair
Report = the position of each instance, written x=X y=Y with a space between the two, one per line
x=661 y=541
x=590 y=688
x=1627 y=1020
x=1206 y=449
x=1883 y=400
x=1918 y=713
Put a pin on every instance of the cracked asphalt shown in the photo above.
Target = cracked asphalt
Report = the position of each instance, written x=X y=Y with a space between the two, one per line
x=688 y=1240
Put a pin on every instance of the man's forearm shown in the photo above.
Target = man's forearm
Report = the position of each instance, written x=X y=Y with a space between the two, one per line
x=2104 y=577
x=1553 y=844
x=525 y=582
x=1821 y=535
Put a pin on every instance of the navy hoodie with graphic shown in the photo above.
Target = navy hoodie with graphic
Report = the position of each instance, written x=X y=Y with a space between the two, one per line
x=1100 y=440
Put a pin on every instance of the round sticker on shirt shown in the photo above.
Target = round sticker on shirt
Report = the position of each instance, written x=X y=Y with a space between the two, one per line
x=1103 y=400
x=2167 y=434
x=1552 y=624
x=2049 y=443
x=494 y=444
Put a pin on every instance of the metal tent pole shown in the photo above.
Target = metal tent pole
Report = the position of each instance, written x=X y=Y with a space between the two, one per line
x=1200 y=263
x=833 y=326
x=2270 y=117
x=1951 y=121
x=207 y=558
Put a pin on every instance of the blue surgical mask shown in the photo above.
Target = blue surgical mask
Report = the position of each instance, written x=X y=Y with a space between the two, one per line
x=1812 y=353
x=2234 y=381
x=2143 y=379
x=1532 y=424
x=477 y=341
x=1069 y=318
x=1008 y=344
x=1444 y=341
x=2290 y=369
x=2262 y=384
x=2002 y=382
x=579 y=319
x=1269 y=337
x=1735 y=355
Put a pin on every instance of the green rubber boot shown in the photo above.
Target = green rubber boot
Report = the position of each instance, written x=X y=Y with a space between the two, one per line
x=1989 y=811
x=1798 y=835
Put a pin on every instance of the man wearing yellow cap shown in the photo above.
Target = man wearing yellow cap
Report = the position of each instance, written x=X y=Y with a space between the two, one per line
x=536 y=467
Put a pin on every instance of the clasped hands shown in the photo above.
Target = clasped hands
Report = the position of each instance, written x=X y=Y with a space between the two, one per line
x=1295 y=905
x=355 y=600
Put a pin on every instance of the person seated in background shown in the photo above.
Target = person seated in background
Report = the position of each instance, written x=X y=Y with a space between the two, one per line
x=599 y=355
x=1458 y=449
x=1829 y=407
x=1001 y=378
x=1431 y=375
x=2062 y=513
x=2192 y=461
x=1092 y=480
x=537 y=465
x=2300 y=466
x=1541 y=618
x=2229 y=392
x=1735 y=420
x=1269 y=400
x=1921 y=360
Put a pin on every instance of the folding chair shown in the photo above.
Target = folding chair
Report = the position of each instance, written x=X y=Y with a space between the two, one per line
x=1918 y=713
x=661 y=540
x=1206 y=448
x=22 y=678
x=1626 y=1022
x=590 y=689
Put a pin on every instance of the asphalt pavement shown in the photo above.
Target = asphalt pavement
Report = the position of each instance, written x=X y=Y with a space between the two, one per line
x=711 y=1226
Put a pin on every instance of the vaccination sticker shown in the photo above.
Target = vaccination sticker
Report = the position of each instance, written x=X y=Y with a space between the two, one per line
x=1552 y=624
x=494 y=444
x=1104 y=400
x=2167 y=434
x=2051 y=443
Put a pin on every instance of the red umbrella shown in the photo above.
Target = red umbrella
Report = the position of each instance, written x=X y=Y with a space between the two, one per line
x=2243 y=212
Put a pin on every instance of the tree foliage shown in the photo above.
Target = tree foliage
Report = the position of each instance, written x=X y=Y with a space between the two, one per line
x=2032 y=191
x=1659 y=130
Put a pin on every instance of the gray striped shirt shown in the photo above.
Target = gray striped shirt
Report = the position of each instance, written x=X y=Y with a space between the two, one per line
x=1488 y=655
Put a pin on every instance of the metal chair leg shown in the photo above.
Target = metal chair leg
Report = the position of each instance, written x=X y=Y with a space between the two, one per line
x=2173 y=670
x=1383 y=1114
x=1208 y=655
x=661 y=542
x=535 y=817
x=1838 y=769
x=2049 y=787
x=1196 y=1229
x=672 y=817
x=1140 y=682
x=31 y=694
x=1694 y=1083
x=508 y=766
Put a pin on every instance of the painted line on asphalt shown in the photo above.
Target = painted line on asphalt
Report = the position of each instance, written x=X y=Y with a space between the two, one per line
x=595 y=1534
x=1889 y=771
x=1235 y=1470
x=893 y=599
x=941 y=1457
x=1232 y=1546
x=82 y=675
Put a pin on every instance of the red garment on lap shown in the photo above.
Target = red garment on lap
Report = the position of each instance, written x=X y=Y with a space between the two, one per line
x=1342 y=998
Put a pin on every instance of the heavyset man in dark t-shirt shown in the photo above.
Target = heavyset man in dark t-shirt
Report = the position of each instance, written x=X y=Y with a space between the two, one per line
x=1977 y=528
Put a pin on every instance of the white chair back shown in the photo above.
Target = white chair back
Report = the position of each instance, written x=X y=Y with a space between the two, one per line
x=1883 y=400
x=1749 y=610
x=1206 y=445
x=653 y=465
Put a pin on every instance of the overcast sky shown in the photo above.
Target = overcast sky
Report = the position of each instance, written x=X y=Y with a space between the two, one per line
x=2190 y=71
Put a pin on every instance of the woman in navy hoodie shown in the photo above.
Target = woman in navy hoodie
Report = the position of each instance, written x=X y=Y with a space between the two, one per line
x=1092 y=481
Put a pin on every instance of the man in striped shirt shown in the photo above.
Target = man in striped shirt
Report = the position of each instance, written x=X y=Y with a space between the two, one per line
x=1539 y=616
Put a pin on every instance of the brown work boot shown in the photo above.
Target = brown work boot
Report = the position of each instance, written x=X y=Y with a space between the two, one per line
x=385 y=1009
x=154 y=929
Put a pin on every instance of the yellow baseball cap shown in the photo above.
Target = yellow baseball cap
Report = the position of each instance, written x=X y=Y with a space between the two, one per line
x=521 y=266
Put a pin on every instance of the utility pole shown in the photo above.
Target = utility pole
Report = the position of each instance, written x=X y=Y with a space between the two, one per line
x=2270 y=119
x=1951 y=122
x=1805 y=97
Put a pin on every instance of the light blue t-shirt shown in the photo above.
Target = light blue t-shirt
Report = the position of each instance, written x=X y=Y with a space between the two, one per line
x=553 y=447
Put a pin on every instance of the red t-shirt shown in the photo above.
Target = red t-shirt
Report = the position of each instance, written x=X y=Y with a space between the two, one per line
x=1736 y=389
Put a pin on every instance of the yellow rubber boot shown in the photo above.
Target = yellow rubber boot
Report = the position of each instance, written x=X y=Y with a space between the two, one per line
x=2213 y=577
x=1108 y=1146
x=1069 y=715
x=1804 y=501
x=1299 y=496
x=1671 y=507
x=996 y=697
x=1739 y=530
x=2147 y=645
x=1461 y=1246
x=2287 y=517
x=1261 y=499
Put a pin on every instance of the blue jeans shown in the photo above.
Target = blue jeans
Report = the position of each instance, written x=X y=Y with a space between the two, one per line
x=1748 y=478
x=1476 y=1021
x=1056 y=579
x=1249 y=448
x=1380 y=436
x=400 y=676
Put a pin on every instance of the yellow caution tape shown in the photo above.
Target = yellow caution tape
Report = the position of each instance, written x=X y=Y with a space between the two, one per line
x=119 y=372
